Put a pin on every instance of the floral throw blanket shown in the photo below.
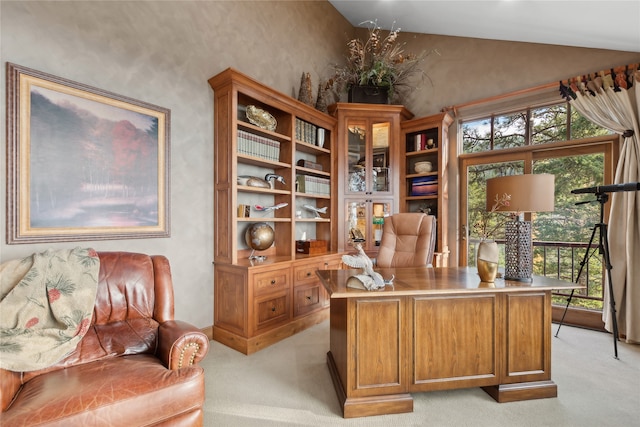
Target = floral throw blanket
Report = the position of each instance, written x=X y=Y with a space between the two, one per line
x=46 y=305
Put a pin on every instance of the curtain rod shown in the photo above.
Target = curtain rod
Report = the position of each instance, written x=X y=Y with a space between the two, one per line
x=455 y=108
x=623 y=68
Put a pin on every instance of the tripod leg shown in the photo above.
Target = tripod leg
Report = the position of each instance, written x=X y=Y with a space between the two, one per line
x=564 y=313
x=612 y=303
x=585 y=259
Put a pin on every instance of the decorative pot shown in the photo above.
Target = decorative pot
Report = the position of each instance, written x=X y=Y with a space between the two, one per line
x=369 y=94
x=487 y=261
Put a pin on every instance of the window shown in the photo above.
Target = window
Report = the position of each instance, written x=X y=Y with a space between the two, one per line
x=533 y=126
x=546 y=138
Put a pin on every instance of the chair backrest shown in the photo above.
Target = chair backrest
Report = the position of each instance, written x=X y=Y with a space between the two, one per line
x=134 y=296
x=408 y=240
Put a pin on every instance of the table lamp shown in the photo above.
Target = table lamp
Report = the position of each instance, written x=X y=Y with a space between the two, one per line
x=529 y=193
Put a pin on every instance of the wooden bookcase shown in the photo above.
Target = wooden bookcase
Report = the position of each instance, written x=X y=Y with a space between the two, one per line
x=427 y=140
x=258 y=302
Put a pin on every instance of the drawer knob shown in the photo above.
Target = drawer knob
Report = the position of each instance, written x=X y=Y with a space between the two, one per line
x=273 y=309
x=308 y=273
x=273 y=281
x=309 y=298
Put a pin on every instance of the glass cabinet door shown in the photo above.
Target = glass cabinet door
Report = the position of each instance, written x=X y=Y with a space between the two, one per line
x=356 y=181
x=380 y=171
x=368 y=160
x=356 y=227
x=380 y=211
x=365 y=221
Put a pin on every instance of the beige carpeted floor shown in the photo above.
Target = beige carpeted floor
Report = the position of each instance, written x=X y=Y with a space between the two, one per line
x=288 y=384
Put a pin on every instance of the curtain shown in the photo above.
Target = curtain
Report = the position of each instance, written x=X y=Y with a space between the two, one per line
x=611 y=100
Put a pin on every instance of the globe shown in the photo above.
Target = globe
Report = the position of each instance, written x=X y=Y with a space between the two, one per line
x=259 y=236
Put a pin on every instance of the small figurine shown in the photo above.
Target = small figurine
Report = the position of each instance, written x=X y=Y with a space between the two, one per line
x=315 y=210
x=272 y=176
x=254 y=181
x=270 y=208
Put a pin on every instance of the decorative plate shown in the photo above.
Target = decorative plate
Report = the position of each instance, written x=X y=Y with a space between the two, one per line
x=261 y=118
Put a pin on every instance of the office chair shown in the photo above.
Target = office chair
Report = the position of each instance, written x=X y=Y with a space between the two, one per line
x=408 y=240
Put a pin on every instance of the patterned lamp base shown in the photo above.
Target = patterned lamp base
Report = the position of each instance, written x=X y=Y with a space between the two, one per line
x=518 y=264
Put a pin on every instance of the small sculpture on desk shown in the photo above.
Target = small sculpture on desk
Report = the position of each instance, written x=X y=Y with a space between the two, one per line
x=369 y=279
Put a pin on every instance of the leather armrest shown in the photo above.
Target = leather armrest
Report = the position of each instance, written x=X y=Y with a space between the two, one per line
x=181 y=344
x=10 y=383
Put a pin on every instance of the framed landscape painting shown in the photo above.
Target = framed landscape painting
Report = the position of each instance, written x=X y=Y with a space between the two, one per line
x=83 y=163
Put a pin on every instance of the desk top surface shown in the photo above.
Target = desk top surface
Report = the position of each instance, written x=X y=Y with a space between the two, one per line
x=426 y=280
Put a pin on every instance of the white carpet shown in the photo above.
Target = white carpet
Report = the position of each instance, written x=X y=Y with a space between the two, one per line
x=288 y=384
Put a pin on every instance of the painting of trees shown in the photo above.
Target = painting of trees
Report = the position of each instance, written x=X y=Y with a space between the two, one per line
x=88 y=169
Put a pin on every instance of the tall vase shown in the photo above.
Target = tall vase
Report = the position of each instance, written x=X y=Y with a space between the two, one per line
x=487 y=261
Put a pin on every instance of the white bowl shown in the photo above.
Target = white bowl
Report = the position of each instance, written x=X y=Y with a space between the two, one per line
x=423 y=167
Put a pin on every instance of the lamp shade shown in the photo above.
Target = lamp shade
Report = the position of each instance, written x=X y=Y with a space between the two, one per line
x=528 y=193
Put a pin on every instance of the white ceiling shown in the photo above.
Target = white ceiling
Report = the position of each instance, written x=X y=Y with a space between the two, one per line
x=601 y=24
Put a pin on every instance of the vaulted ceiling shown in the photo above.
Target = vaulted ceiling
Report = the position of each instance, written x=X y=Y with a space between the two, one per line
x=613 y=25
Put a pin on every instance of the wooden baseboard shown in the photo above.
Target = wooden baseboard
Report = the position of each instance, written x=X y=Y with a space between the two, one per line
x=582 y=318
x=503 y=393
x=353 y=407
x=250 y=345
x=208 y=331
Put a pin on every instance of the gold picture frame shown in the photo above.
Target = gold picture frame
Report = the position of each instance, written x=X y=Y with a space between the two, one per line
x=83 y=163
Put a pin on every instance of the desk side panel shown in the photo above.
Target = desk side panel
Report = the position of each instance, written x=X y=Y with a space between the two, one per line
x=338 y=336
x=528 y=335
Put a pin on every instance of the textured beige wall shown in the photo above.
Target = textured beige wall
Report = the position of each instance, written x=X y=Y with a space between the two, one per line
x=163 y=53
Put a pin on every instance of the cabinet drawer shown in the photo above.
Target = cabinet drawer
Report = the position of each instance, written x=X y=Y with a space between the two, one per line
x=306 y=273
x=332 y=264
x=307 y=299
x=271 y=310
x=270 y=281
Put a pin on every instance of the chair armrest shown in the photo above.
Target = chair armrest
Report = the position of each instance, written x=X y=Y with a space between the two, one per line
x=10 y=383
x=181 y=344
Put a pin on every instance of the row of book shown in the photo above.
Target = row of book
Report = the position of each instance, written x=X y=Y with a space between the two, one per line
x=258 y=146
x=309 y=133
x=244 y=211
x=313 y=185
x=422 y=141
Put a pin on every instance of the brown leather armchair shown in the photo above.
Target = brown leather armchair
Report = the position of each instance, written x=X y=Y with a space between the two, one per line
x=408 y=240
x=135 y=366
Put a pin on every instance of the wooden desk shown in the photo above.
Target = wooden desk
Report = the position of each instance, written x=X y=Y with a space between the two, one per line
x=438 y=329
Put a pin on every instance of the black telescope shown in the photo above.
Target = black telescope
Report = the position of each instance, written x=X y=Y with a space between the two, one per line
x=613 y=188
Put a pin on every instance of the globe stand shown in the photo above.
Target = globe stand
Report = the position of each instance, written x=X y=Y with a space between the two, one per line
x=259 y=258
x=259 y=237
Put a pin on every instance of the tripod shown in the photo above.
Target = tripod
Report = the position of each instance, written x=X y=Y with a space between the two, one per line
x=603 y=249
